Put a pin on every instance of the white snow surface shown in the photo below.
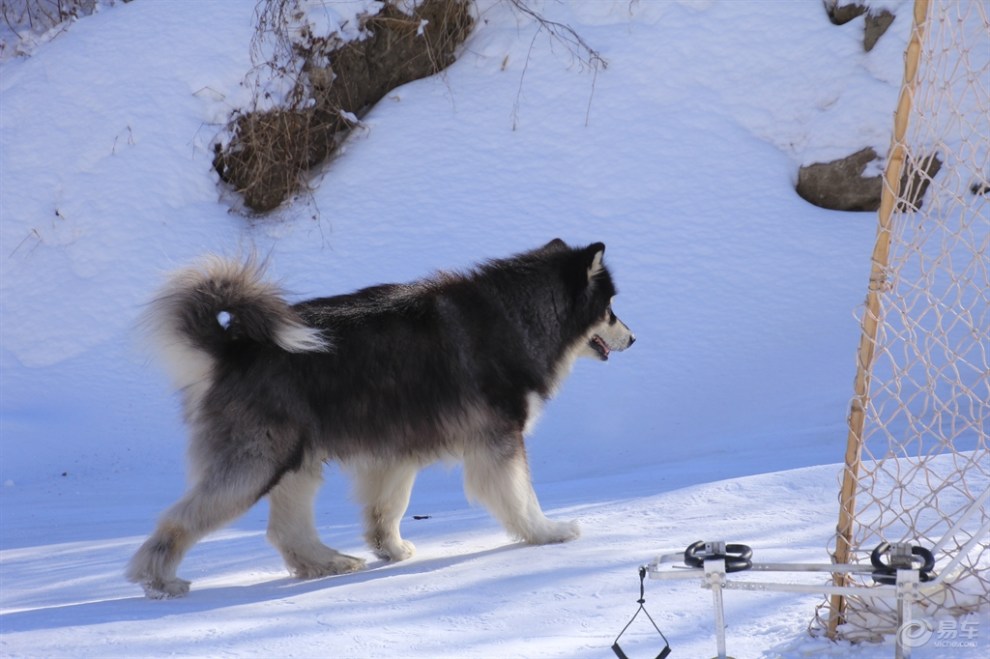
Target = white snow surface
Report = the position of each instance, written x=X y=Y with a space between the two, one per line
x=724 y=421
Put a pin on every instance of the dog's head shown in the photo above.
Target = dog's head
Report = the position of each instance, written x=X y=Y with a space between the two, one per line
x=607 y=335
x=595 y=293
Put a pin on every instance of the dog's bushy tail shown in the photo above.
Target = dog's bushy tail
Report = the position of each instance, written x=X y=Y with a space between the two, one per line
x=204 y=308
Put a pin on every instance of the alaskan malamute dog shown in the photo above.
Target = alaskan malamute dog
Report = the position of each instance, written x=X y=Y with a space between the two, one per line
x=385 y=381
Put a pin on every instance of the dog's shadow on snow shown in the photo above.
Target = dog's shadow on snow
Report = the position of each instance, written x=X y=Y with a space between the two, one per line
x=203 y=599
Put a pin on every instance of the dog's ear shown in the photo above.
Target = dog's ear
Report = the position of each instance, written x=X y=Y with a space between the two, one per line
x=585 y=271
x=593 y=258
x=555 y=245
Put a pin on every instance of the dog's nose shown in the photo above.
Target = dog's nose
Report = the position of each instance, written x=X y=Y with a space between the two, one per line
x=632 y=339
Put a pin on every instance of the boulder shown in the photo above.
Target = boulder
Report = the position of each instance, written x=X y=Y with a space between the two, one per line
x=840 y=184
x=876 y=22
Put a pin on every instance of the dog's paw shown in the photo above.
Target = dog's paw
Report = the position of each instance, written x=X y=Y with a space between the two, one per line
x=396 y=551
x=160 y=589
x=336 y=563
x=344 y=564
x=555 y=532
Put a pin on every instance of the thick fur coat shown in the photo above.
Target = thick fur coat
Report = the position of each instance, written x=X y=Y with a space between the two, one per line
x=384 y=380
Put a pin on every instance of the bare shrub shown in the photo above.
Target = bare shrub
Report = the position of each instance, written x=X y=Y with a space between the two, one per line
x=310 y=89
x=587 y=56
x=24 y=23
x=41 y=15
x=332 y=82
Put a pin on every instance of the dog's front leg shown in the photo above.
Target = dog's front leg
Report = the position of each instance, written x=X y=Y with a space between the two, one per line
x=497 y=474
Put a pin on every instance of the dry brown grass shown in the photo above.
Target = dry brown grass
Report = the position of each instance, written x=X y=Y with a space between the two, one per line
x=269 y=151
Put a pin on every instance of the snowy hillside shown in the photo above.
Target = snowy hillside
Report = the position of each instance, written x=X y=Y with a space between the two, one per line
x=725 y=420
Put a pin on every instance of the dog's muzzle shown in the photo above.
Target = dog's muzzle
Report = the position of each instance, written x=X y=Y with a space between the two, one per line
x=618 y=339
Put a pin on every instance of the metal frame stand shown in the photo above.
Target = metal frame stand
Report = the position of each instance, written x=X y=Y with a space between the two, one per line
x=900 y=580
x=713 y=576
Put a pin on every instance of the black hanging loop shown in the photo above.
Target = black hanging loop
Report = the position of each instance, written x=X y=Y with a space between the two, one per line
x=642 y=600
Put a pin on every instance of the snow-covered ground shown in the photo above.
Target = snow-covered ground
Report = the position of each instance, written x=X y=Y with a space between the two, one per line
x=724 y=421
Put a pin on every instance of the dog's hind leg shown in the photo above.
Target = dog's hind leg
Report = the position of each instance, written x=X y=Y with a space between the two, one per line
x=383 y=488
x=497 y=475
x=215 y=499
x=292 y=529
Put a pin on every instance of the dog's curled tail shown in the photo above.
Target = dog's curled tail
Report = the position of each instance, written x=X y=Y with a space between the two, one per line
x=203 y=308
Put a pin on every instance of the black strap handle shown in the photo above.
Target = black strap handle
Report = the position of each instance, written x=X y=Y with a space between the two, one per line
x=622 y=655
x=642 y=600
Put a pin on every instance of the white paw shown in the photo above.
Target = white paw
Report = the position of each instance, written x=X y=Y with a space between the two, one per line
x=396 y=551
x=554 y=532
x=336 y=563
x=344 y=564
x=160 y=589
